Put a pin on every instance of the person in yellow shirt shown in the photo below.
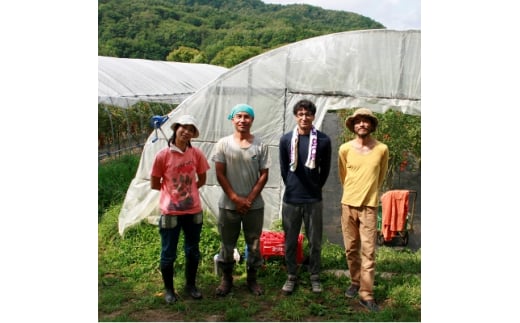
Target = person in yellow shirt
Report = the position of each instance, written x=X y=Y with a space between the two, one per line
x=362 y=166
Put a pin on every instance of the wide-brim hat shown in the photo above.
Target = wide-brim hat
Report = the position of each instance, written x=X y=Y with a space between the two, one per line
x=349 y=122
x=187 y=120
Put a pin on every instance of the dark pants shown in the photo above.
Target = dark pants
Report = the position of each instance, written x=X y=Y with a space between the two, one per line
x=230 y=223
x=170 y=240
x=292 y=217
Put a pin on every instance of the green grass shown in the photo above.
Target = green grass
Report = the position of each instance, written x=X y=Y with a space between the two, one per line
x=113 y=180
x=130 y=285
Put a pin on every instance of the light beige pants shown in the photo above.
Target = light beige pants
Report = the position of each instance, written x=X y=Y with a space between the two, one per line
x=359 y=227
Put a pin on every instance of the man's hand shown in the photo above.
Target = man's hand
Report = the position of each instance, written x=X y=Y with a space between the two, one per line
x=242 y=204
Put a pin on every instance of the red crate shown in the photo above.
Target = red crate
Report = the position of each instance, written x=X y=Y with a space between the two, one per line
x=272 y=244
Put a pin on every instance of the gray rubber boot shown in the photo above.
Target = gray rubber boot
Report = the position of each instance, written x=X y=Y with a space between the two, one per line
x=227 y=279
x=252 y=284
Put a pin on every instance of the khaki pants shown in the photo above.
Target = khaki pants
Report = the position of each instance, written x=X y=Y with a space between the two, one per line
x=359 y=227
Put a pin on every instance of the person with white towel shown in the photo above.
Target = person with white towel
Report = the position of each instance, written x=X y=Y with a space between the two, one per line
x=305 y=161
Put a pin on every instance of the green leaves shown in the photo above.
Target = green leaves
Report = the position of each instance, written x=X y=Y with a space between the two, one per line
x=233 y=55
x=402 y=134
x=152 y=29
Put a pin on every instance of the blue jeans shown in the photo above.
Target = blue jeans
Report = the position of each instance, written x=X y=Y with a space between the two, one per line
x=292 y=217
x=170 y=239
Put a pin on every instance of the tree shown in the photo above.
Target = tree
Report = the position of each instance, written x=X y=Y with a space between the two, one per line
x=151 y=29
x=233 y=55
x=402 y=134
x=186 y=55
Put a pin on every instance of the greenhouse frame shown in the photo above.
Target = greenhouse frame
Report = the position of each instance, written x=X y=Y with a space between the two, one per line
x=378 y=69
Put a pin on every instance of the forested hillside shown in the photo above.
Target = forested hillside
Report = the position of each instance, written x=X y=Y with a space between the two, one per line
x=219 y=32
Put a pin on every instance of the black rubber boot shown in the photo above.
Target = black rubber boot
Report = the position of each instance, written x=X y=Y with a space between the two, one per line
x=167 y=276
x=190 y=274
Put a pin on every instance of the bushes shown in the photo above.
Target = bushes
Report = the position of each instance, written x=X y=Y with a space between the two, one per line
x=402 y=134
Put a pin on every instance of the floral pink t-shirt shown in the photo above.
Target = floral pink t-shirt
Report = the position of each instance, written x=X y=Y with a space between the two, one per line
x=179 y=192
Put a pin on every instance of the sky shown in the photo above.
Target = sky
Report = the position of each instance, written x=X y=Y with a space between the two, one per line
x=393 y=14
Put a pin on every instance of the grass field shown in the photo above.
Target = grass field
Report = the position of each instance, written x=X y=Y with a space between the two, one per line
x=130 y=286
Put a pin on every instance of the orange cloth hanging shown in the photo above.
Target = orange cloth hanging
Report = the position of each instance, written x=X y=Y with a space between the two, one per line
x=395 y=209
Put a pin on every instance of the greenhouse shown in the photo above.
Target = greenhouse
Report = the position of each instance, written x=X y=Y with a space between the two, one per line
x=377 y=69
x=130 y=91
x=125 y=81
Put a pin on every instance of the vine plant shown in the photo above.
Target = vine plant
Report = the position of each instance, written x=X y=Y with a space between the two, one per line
x=401 y=133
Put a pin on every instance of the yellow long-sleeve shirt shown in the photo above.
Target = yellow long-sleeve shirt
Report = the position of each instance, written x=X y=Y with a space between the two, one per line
x=362 y=176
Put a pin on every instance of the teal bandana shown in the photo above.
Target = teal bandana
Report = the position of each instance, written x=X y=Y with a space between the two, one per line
x=241 y=108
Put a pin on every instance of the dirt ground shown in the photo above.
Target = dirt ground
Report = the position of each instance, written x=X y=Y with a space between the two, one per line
x=178 y=313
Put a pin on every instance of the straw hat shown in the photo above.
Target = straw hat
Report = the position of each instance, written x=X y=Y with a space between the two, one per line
x=349 y=122
x=187 y=120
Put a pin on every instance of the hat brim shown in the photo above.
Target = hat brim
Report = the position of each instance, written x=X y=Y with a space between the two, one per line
x=349 y=123
x=195 y=135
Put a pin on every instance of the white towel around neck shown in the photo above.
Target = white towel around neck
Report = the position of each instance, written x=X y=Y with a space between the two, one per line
x=311 y=157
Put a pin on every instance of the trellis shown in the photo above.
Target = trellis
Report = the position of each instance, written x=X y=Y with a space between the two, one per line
x=131 y=91
x=125 y=130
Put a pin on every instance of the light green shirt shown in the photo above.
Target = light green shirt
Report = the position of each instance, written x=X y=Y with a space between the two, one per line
x=243 y=167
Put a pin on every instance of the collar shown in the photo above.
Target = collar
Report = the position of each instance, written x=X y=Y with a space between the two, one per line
x=177 y=149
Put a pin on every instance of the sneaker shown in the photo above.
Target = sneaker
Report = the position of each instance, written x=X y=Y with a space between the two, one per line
x=352 y=291
x=315 y=284
x=370 y=305
x=288 y=287
x=193 y=291
x=169 y=296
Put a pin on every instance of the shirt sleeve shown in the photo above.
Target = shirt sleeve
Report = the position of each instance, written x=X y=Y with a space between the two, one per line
x=158 y=165
x=326 y=154
x=202 y=162
x=218 y=155
x=265 y=159
x=284 y=158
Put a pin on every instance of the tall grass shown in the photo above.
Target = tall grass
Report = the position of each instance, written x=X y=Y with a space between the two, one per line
x=113 y=180
x=130 y=285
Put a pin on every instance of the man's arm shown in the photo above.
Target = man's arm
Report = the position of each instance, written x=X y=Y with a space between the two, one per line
x=342 y=162
x=220 y=170
x=384 y=167
x=325 y=162
x=259 y=185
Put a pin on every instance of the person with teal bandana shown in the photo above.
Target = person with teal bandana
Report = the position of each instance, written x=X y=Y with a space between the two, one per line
x=242 y=166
